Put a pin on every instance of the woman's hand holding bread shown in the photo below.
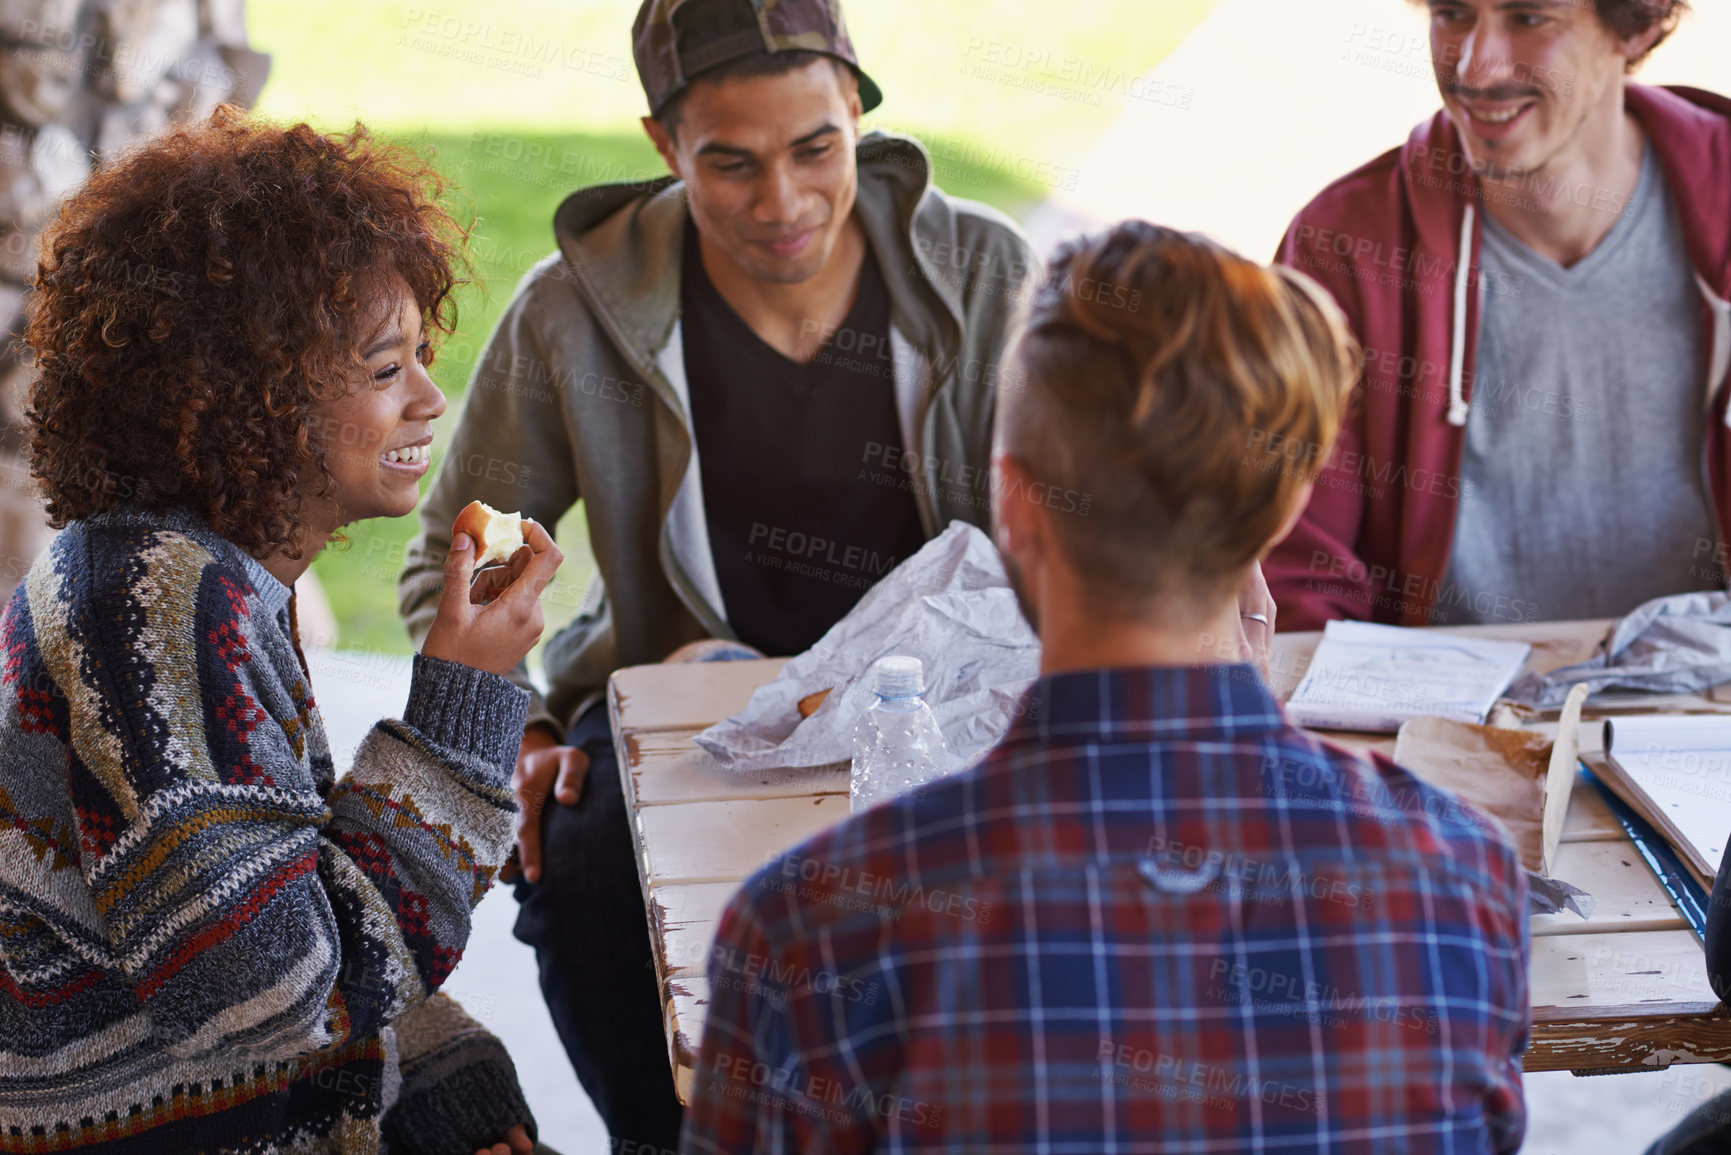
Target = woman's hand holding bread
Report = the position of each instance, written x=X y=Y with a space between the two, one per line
x=493 y=624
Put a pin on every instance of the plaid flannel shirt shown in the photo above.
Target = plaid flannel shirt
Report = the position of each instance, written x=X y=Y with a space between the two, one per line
x=1156 y=918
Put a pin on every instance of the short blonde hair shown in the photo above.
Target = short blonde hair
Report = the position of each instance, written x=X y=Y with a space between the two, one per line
x=1184 y=396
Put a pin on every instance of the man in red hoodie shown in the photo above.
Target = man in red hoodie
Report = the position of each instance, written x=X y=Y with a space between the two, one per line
x=1540 y=278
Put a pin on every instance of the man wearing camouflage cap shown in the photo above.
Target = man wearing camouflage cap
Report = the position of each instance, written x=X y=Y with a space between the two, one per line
x=769 y=377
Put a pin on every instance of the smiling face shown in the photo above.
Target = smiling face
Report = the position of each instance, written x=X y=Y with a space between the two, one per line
x=769 y=165
x=1528 y=83
x=378 y=436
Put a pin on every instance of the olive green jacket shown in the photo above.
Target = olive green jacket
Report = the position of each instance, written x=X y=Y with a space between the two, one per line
x=581 y=395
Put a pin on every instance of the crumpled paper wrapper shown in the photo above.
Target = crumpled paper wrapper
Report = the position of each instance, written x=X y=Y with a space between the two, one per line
x=1550 y=895
x=949 y=605
x=1504 y=773
x=1671 y=645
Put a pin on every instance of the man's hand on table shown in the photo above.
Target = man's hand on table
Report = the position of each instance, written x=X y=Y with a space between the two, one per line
x=1256 y=637
x=543 y=767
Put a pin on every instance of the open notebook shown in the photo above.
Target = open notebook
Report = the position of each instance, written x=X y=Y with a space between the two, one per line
x=1675 y=771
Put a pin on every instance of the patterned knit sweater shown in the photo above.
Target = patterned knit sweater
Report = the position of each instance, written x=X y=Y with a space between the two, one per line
x=204 y=936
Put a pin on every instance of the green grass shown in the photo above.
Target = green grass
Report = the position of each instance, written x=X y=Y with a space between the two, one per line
x=521 y=101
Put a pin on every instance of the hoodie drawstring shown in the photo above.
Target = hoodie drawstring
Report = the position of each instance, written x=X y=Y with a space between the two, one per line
x=1458 y=409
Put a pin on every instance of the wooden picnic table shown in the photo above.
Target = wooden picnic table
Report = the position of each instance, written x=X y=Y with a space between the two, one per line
x=1624 y=990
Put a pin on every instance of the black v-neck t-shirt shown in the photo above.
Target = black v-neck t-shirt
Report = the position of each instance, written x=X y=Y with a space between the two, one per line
x=805 y=485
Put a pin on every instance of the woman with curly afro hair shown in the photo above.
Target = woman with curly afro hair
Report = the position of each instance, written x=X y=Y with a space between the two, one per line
x=207 y=941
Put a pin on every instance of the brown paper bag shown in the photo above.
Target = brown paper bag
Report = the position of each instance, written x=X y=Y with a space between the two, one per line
x=1522 y=778
x=1500 y=771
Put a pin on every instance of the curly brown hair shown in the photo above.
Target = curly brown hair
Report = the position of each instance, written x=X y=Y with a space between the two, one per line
x=1633 y=17
x=199 y=295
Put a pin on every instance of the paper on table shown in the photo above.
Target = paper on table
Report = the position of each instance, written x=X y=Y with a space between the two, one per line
x=1373 y=678
x=951 y=606
x=1675 y=770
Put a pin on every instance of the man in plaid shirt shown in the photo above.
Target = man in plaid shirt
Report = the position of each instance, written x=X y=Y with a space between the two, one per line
x=1157 y=917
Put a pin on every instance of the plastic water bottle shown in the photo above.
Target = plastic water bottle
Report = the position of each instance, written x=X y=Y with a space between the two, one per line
x=897 y=744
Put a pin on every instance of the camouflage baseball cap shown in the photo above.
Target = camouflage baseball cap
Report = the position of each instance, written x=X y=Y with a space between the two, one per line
x=672 y=49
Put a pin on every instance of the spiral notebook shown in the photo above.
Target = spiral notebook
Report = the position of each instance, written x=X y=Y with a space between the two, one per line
x=1674 y=770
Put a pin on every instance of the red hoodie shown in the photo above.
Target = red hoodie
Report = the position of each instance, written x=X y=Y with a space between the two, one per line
x=1388 y=242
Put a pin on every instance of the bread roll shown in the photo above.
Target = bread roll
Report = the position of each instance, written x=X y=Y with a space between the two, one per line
x=808 y=705
x=497 y=535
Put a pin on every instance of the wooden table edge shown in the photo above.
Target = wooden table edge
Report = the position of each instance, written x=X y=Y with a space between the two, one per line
x=1639 y=1037
x=1702 y=1009
x=628 y=789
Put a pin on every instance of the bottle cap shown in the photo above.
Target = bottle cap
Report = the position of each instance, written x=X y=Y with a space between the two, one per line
x=899 y=677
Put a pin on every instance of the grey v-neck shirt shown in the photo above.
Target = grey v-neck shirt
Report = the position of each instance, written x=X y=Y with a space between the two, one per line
x=1582 y=487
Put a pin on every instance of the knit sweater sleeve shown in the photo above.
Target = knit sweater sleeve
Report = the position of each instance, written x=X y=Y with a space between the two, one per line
x=460 y=1089
x=252 y=908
